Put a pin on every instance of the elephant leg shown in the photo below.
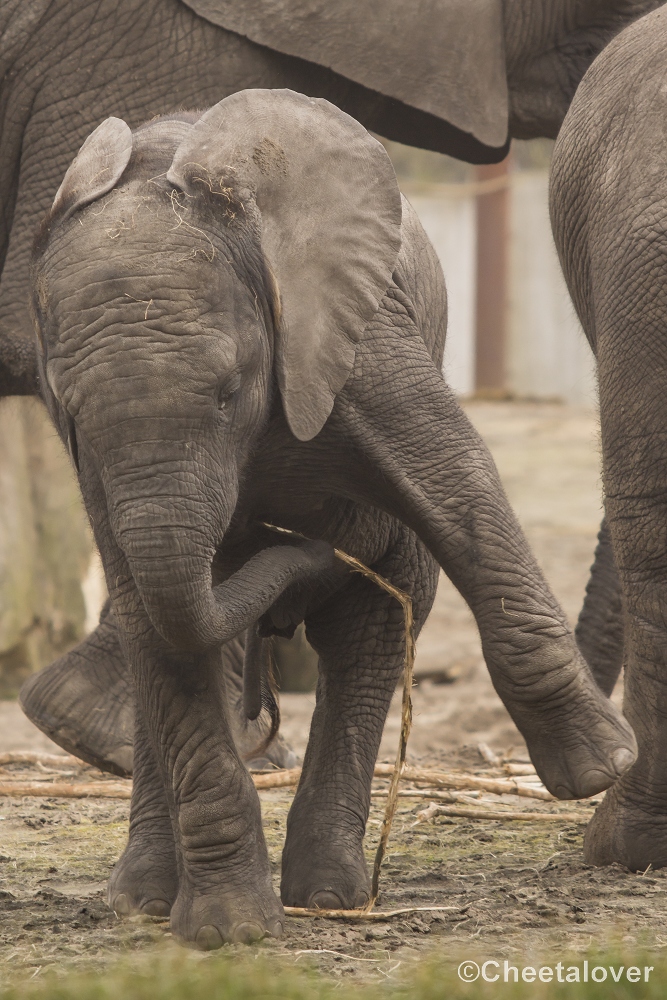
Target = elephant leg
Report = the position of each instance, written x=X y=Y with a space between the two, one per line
x=145 y=879
x=599 y=630
x=630 y=826
x=360 y=641
x=224 y=879
x=84 y=702
x=424 y=462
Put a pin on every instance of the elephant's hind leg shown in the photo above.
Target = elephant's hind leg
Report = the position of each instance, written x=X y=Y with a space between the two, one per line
x=359 y=637
x=84 y=701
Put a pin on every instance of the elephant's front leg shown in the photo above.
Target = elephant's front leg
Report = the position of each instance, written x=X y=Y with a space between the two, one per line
x=145 y=879
x=359 y=636
x=425 y=462
x=224 y=879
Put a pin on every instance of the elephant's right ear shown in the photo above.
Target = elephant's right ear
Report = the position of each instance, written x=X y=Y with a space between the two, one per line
x=97 y=167
x=330 y=227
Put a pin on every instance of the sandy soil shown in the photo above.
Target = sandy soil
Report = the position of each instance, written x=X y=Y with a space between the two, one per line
x=518 y=888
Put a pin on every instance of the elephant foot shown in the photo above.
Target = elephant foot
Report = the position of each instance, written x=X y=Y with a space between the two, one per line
x=324 y=876
x=84 y=702
x=145 y=879
x=208 y=920
x=578 y=740
x=627 y=830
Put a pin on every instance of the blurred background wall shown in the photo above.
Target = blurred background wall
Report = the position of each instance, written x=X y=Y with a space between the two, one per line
x=512 y=334
x=512 y=328
x=48 y=568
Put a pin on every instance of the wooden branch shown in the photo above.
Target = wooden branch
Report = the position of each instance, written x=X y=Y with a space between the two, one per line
x=425 y=793
x=519 y=769
x=470 y=812
x=277 y=779
x=30 y=757
x=420 y=776
x=289 y=778
x=64 y=790
x=364 y=915
x=465 y=782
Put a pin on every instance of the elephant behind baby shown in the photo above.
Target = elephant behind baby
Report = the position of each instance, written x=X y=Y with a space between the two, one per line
x=240 y=322
x=609 y=213
x=457 y=76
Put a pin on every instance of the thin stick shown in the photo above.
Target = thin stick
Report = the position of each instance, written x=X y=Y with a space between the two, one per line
x=465 y=782
x=406 y=708
x=63 y=790
x=469 y=812
x=277 y=779
x=302 y=911
x=519 y=769
x=30 y=757
x=424 y=793
x=437 y=779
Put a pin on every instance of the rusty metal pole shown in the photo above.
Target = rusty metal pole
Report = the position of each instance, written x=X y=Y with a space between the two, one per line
x=491 y=295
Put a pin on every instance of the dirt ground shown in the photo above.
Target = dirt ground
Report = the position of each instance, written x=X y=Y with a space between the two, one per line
x=517 y=888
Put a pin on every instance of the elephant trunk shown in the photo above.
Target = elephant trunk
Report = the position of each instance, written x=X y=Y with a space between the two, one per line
x=170 y=559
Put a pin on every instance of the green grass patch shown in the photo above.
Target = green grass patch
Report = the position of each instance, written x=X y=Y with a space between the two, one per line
x=175 y=974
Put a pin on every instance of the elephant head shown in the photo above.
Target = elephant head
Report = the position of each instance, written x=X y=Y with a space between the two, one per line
x=180 y=267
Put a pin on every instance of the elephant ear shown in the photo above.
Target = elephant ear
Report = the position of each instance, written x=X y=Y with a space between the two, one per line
x=444 y=57
x=97 y=167
x=330 y=222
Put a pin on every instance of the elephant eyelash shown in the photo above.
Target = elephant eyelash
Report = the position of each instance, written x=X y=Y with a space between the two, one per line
x=72 y=444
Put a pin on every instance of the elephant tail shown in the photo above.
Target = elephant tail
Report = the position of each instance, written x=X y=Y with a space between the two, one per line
x=259 y=686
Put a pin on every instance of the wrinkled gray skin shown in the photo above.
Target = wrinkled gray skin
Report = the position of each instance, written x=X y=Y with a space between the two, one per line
x=66 y=68
x=609 y=213
x=159 y=360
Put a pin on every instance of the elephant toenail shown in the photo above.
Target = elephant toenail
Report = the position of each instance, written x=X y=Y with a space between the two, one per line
x=156 y=908
x=247 y=932
x=325 y=900
x=121 y=905
x=622 y=759
x=208 y=938
x=360 y=900
x=276 y=928
x=563 y=792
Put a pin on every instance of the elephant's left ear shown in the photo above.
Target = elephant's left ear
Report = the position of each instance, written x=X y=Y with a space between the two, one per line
x=331 y=227
x=97 y=167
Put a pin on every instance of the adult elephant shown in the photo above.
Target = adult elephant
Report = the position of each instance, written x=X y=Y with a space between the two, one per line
x=609 y=214
x=472 y=74
x=456 y=76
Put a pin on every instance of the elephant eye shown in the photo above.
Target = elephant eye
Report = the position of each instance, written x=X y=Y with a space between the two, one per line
x=226 y=389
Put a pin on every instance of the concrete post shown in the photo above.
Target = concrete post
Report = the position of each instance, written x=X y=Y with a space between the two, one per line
x=491 y=295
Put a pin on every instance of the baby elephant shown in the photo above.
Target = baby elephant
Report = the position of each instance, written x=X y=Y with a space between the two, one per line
x=241 y=322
